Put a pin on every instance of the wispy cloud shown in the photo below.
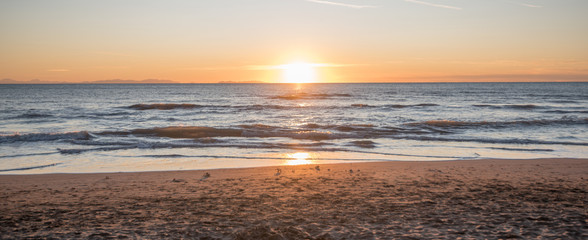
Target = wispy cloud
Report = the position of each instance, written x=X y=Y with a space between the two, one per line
x=341 y=4
x=526 y=4
x=433 y=4
x=58 y=70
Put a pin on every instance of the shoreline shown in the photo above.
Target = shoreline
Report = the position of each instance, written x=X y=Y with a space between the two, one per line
x=493 y=198
x=330 y=162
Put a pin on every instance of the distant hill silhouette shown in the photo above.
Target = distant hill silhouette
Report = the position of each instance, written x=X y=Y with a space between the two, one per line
x=127 y=81
x=109 y=81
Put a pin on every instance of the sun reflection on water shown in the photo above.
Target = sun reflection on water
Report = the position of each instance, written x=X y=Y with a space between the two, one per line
x=298 y=158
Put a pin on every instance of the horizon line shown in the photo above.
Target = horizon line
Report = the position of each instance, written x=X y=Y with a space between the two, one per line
x=178 y=83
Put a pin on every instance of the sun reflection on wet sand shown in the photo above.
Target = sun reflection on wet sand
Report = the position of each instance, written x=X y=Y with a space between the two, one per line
x=298 y=158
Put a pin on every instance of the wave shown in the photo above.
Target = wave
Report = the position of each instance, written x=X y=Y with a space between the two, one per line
x=106 y=114
x=261 y=107
x=298 y=96
x=492 y=141
x=361 y=105
x=317 y=146
x=260 y=131
x=189 y=132
x=277 y=158
x=172 y=106
x=164 y=106
x=33 y=116
x=363 y=144
x=567 y=111
x=250 y=136
x=510 y=106
x=82 y=150
x=37 y=137
x=523 y=106
x=411 y=105
x=564 y=101
x=311 y=131
x=320 y=146
x=28 y=154
x=30 y=168
x=497 y=124
x=522 y=149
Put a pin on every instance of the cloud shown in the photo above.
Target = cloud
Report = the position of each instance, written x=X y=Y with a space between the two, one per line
x=433 y=4
x=58 y=70
x=340 y=4
x=526 y=5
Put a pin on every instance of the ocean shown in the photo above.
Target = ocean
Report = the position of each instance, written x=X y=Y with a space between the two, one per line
x=82 y=128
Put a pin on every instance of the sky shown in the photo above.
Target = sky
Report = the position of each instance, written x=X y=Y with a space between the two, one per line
x=198 y=41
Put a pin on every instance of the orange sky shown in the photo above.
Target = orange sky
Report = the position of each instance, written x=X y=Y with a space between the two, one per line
x=244 y=41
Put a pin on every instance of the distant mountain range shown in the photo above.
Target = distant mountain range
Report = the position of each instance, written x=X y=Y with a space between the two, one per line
x=110 y=81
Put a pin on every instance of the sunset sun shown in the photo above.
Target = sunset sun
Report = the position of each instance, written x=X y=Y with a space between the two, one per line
x=298 y=72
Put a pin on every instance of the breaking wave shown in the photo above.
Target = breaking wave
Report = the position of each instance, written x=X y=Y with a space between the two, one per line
x=27 y=155
x=492 y=140
x=566 y=111
x=363 y=144
x=496 y=124
x=36 y=137
x=163 y=106
x=434 y=130
x=260 y=131
x=413 y=105
x=360 y=105
x=511 y=106
x=30 y=168
x=262 y=107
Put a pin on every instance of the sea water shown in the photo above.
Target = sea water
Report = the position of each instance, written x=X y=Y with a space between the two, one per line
x=150 y=127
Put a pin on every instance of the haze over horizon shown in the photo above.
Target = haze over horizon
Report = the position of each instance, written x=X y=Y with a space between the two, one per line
x=252 y=40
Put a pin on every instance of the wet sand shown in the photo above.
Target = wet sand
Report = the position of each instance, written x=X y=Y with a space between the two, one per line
x=492 y=199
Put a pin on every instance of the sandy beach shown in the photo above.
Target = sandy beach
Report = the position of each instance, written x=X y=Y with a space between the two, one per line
x=493 y=199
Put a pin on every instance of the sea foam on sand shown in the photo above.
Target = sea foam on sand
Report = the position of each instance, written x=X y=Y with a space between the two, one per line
x=494 y=199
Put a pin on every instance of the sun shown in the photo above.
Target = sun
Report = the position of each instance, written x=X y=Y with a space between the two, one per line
x=299 y=158
x=298 y=72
